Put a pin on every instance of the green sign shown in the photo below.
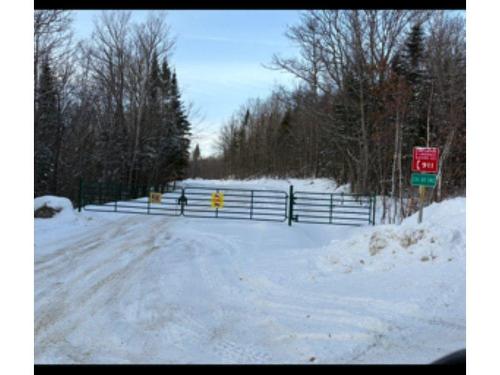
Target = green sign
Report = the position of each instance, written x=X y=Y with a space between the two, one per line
x=422 y=179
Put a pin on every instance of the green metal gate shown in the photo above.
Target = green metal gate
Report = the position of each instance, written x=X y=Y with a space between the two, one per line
x=108 y=197
x=242 y=204
x=238 y=204
x=331 y=208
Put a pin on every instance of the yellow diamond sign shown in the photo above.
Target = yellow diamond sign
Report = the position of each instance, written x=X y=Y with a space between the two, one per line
x=217 y=200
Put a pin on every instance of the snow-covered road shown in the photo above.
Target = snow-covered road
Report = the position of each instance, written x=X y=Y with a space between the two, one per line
x=112 y=288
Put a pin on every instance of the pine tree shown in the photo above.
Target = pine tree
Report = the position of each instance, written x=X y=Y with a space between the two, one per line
x=167 y=129
x=165 y=76
x=413 y=53
x=182 y=129
x=46 y=130
x=151 y=143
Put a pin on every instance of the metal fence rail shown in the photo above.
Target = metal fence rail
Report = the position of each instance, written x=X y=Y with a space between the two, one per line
x=240 y=204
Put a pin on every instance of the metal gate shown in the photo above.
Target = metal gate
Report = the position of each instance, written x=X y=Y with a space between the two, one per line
x=103 y=197
x=231 y=203
x=331 y=208
x=242 y=204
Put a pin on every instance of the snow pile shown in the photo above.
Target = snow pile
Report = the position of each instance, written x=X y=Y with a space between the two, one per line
x=61 y=205
x=439 y=239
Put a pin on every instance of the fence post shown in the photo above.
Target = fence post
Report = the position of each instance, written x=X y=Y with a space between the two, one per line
x=290 y=206
x=182 y=200
x=331 y=207
x=251 y=207
x=374 y=208
x=80 y=194
x=117 y=192
x=216 y=208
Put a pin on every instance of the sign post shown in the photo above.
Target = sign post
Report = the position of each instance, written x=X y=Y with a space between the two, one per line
x=421 y=190
x=425 y=160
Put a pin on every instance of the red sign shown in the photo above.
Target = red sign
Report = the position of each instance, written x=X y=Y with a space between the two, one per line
x=425 y=159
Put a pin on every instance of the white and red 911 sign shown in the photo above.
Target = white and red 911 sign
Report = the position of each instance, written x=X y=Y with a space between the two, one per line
x=425 y=159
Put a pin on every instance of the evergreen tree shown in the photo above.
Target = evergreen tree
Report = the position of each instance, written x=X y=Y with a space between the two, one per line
x=46 y=130
x=165 y=76
x=151 y=143
x=167 y=129
x=182 y=129
x=413 y=55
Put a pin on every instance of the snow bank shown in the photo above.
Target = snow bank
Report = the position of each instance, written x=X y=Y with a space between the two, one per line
x=63 y=205
x=440 y=238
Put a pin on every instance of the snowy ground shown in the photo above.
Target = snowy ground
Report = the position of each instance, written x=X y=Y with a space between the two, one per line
x=117 y=288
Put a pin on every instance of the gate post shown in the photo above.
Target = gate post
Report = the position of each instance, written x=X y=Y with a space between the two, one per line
x=331 y=207
x=80 y=193
x=99 y=189
x=182 y=201
x=251 y=206
x=290 y=205
x=373 y=201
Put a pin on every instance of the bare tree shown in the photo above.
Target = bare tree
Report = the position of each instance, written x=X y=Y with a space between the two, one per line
x=52 y=38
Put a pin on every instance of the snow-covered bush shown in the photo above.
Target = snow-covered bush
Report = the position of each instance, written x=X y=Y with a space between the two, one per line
x=59 y=207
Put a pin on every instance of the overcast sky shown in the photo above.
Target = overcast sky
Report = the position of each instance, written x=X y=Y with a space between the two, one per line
x=218 y=58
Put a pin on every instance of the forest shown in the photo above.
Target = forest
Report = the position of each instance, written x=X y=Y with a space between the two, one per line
x=109 y=108
x=372 y=84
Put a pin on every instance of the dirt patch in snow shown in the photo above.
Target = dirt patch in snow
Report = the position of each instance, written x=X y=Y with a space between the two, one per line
x=379 y=240
x=46 y=212
x=410 y=238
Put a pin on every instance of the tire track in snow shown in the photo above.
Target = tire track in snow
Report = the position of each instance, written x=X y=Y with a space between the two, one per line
x=68 y=305
x=84 y=242
x=226 y=349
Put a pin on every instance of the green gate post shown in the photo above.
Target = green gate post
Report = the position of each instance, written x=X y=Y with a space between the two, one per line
x=251 y=206
x=217 y=208
x=99 y=188
x=331 y=207
x=290 y=205
x=117 y=193
x=374 y=208
x=80 y=192
x=182 y=200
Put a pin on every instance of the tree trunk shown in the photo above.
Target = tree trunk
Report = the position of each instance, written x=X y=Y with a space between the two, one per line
x=442 y=160
x=393 y=174
x=364 y=139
